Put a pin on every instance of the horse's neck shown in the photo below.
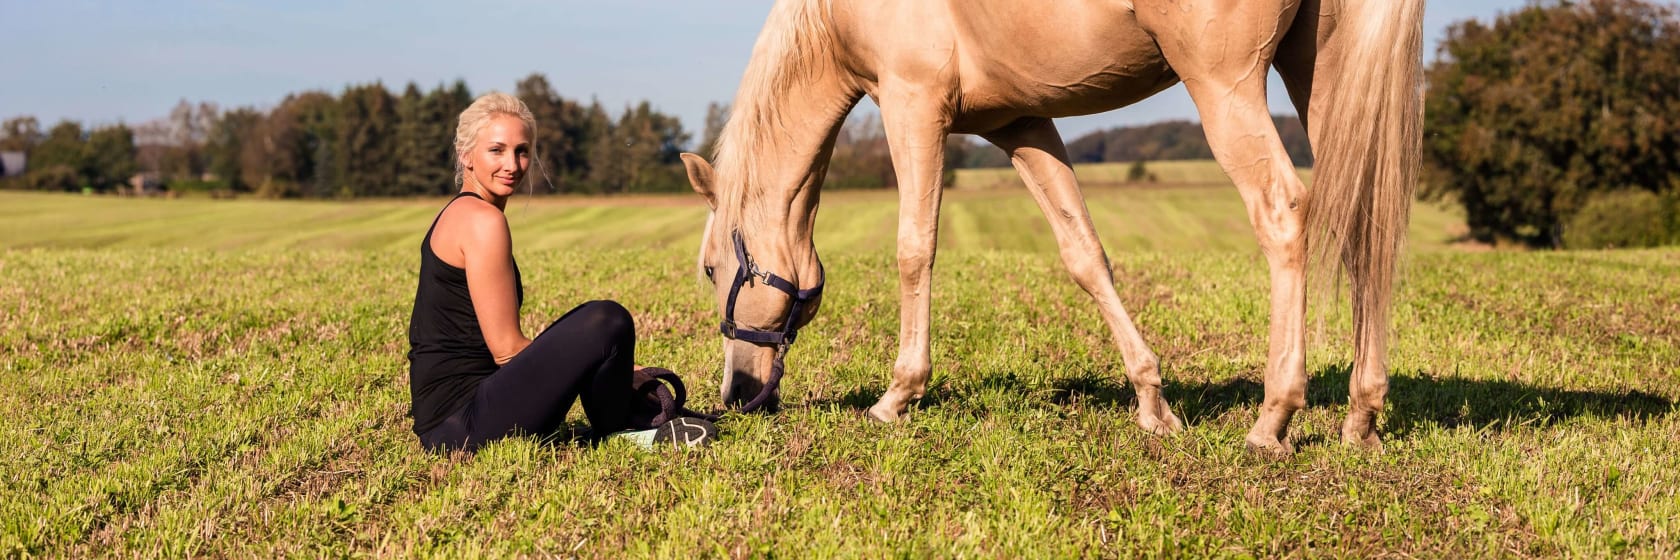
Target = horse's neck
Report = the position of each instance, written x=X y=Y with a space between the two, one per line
x=792 y=101
x=790 y=155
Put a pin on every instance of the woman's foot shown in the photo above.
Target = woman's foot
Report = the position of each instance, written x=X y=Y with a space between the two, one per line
x=675 y=434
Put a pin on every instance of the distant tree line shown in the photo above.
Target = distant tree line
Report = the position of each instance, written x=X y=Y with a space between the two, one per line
x=861 y=158
x=365 y=141
x=1175 y=140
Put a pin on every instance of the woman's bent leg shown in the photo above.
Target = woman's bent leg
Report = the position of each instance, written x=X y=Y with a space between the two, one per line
x=589 y=353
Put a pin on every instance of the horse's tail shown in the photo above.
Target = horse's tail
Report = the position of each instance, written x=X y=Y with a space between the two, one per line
x=1367 y=152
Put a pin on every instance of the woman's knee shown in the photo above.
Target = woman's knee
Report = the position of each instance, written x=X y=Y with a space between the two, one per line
x=609 y=317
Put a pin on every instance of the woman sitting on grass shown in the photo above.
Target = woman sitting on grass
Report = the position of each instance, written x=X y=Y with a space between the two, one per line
x=473 y=375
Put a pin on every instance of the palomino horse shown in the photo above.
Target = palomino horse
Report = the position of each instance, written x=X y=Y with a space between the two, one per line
x=1002 y=69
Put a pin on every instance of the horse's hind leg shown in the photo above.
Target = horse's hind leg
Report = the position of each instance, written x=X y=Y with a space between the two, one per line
x=1299 y=60
x=1227 y=80
x=1039 y=155
x=1247 y=145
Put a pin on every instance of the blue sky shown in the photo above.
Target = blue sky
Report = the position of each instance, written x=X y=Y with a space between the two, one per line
x=101 y=62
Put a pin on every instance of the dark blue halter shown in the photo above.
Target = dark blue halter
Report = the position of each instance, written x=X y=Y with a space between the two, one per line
x=745 y=274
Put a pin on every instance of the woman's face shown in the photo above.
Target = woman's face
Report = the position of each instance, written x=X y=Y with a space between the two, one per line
x=500 y=156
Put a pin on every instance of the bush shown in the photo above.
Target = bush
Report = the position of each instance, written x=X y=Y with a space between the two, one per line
x=277 y=188
x=1622 y=219
x=1549 y=105
x=1138 y=172
x=57 y=177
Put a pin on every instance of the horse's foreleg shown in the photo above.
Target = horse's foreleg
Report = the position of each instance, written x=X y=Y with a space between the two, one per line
x=1037 y=151
x=915 y=127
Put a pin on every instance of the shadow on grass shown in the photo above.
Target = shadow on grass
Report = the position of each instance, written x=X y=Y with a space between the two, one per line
x=939 y=391
x=1415 y=399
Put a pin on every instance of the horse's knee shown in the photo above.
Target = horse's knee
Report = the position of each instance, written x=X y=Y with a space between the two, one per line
x=914 y=265
x=914 y=253
x=1090 y=269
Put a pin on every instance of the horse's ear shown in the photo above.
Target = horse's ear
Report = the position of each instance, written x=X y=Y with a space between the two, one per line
x=700 y=177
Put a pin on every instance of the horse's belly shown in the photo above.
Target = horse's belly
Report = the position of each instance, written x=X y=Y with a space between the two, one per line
x=1077 y=60
x=1072 y=94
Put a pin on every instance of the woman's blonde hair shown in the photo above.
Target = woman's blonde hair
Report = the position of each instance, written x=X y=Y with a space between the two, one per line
x=479 y=114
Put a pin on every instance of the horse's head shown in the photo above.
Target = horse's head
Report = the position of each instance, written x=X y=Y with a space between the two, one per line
x=766 y=289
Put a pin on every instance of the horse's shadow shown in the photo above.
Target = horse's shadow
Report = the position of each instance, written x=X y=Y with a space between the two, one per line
x=1415 y=399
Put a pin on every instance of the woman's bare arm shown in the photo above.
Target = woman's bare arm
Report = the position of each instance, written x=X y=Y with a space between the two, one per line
x=487 y=254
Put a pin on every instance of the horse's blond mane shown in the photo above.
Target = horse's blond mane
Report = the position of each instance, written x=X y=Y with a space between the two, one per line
x=794 y=47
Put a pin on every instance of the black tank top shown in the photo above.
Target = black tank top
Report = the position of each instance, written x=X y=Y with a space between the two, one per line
x=447 y=355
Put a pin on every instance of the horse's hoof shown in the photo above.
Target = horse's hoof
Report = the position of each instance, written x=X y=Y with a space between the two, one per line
x=1160 y=426
x=1271 y=448
x=1369 y=441
x=884 y=415
x=1159 y=419
x=1359 y=431
x=1372 y=443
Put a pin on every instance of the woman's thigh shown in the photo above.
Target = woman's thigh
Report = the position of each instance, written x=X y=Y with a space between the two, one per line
x=589 y=352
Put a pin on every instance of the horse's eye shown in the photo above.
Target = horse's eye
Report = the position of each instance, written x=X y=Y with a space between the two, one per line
x=709 y=274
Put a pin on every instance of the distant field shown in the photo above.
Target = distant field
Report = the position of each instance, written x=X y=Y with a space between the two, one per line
x=1183 y=218
x=1194 y=172
x=226 y=378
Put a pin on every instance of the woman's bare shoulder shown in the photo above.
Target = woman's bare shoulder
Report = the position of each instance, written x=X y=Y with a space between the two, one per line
x=469 y=224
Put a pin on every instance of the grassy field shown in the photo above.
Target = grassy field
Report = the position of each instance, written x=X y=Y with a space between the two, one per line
x=226 y=378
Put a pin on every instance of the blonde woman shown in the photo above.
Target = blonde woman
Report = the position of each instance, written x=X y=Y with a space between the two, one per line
x=474 y=376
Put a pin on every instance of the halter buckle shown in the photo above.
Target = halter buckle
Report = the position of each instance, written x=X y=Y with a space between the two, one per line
x=754 y=272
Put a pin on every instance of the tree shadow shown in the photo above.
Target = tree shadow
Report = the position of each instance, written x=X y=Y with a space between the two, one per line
x=1421 y=400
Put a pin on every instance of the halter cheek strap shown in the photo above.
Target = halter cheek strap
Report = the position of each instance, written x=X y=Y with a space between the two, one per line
x=745 y=274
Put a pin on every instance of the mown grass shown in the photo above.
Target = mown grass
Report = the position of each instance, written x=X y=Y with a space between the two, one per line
x=216 y=378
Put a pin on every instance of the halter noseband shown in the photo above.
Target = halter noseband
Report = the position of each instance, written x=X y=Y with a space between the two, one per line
x=745 y=274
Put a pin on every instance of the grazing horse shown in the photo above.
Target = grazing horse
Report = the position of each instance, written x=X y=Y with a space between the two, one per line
x=1002 y=69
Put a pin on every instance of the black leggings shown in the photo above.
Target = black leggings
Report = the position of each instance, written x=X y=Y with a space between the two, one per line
x=588 y=352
